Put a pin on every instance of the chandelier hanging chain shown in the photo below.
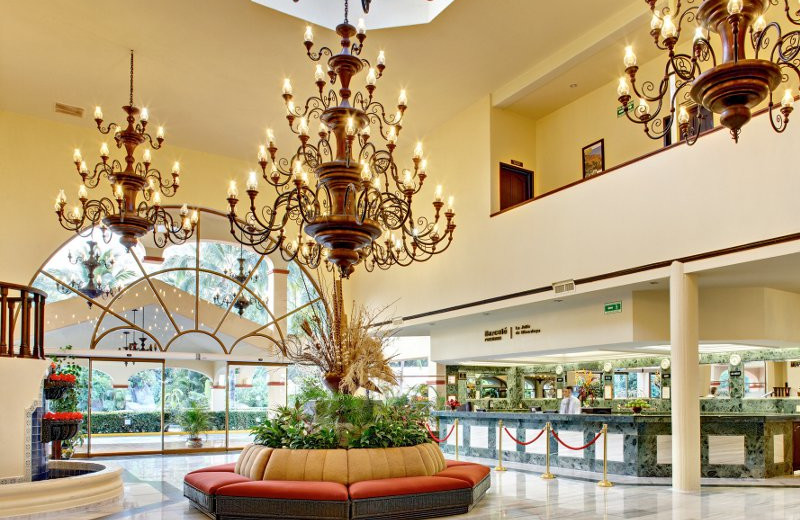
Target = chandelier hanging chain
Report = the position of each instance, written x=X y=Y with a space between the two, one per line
x=123 y=213
x=131 y=97
x=731 y=87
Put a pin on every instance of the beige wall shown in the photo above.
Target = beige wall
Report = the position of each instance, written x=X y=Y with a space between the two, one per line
x=36 y=161
x=20 y=385
x=687 y=200
x=513 y=137
x=562 y=134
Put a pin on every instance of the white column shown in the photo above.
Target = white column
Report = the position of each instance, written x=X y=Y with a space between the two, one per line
x=277 y=388
x=278 y=280
x=684 y=339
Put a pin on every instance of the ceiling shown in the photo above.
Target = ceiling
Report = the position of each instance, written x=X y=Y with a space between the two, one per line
x=212 y=75
x=381 y=14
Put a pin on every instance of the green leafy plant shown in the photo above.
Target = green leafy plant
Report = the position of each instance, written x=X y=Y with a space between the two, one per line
x=194 y=421
x=343 y=420
x=637 y=403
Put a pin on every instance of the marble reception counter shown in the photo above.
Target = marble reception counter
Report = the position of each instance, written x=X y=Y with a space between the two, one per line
x=733 y=445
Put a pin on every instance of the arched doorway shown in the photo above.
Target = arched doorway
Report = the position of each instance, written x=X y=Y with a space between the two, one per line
x=175 y=312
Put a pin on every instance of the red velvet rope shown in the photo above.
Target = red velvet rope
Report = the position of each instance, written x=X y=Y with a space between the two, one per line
x=524 y=443
x=437 y=439
x=582 y=447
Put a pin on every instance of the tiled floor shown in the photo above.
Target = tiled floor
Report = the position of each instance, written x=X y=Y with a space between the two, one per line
x=153 y=491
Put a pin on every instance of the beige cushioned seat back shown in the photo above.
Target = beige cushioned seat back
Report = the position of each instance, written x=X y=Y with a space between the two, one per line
x=380 y=463
x=253 y=461
x=308 y=465
x=432 y=457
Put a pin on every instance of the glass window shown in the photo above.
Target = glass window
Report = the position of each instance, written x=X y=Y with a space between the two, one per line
x=755 y=379
x=655 y=385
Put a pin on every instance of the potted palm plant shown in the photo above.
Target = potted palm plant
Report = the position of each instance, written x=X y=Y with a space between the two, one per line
x=194 y=421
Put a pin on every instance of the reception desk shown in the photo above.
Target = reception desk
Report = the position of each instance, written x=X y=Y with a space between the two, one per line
x=732 y=445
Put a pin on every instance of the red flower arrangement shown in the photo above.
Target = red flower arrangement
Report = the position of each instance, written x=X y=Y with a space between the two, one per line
x=67 y=378
x=63 y=416
x=453 y=404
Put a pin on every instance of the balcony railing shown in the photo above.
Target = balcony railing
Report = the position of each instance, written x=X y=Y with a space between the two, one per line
x=21 y=316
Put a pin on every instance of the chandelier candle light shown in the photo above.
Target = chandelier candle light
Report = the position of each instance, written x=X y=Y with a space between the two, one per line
x=123 y=214
x=730 y=87
x=343 y=190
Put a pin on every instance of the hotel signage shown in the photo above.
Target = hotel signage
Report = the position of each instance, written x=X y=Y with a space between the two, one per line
x=509 y=332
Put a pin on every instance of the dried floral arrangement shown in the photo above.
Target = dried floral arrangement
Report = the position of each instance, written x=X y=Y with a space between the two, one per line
x=349 y=350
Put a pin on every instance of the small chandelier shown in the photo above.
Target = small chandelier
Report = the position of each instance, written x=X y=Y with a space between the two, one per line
x=94 y=287
x=131 y=346
x=242 y=302
x=731 y=87
x=343 y=191
x=122 y=214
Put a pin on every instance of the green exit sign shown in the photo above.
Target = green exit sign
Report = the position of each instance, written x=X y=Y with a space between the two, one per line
x=612 y=307
x=621 y=110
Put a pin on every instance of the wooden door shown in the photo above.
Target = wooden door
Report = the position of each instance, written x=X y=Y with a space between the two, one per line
x=516 y=185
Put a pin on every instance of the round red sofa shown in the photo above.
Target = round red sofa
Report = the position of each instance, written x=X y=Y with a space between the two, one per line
x=381 y=483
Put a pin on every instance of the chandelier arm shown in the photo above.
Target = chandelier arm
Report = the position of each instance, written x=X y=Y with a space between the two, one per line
x=377 y=108
x=313 y=104
x=251 y=237
x=679 y=63
x=779 y=116
x=761 y=41
x=332 y=98
x=174 y=232
x=649 y=86
x=100 y=169
x=364 y=154
x=316 y=56
x=156 y=143
x=360 y=101
x=792 y=41
x=267 y=225
x=793 y=19
x=703 y=52
x=105 y=130
x=324 y=146
x=283 y=168
x=650 y=126
x=689 y=15
x=305 y=198
x=168 y=188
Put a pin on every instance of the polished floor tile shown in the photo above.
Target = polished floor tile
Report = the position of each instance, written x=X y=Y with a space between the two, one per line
x=153 y=490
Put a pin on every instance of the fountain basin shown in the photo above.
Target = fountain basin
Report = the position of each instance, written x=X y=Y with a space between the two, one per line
x=73 y=489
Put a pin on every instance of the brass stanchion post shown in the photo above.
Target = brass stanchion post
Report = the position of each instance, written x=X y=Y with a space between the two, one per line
x=455 y=427
x=547 y=475
x=500 y=466
x=605 y=482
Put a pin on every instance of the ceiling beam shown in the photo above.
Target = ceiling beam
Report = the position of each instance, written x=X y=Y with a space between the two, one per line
x=598 y=38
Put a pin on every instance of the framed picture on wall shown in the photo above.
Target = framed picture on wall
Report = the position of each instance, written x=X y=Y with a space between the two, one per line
x=594 y=158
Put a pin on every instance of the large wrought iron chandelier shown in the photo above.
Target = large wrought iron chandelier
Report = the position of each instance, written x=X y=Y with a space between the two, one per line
x=93 y=287
x=730 y=86
x=241 y=302
x=341 y=188
x=123 y=213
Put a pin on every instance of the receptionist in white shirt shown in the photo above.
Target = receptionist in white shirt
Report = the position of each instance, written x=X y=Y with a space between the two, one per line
x=569 y=404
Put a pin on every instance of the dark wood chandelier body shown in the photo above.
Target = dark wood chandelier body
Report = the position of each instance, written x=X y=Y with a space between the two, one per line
x=123 y=213
x=343 y=191
x=730 y=85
